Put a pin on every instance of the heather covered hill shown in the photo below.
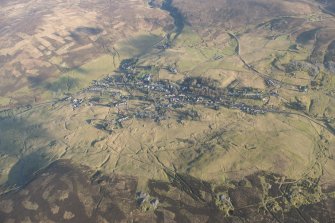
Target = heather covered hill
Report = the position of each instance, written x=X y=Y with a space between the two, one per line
x=240 y=12
x=64 y=192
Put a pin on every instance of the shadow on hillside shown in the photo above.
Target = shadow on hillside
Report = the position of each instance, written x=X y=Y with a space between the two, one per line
x=23 y=139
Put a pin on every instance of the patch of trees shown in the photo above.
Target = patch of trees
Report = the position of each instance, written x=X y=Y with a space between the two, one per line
x=329 y=60
x=307 y=36
x=295 y=66
x=330 y=65
x=296 y=105
x=189 y=115
x=200 y=82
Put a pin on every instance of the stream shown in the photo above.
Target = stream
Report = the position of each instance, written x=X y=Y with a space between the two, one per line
x=178 y=18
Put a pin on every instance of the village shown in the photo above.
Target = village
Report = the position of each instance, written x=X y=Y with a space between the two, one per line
x=164 y=99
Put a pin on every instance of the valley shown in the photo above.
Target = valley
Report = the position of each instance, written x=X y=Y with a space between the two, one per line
x=168 y=111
